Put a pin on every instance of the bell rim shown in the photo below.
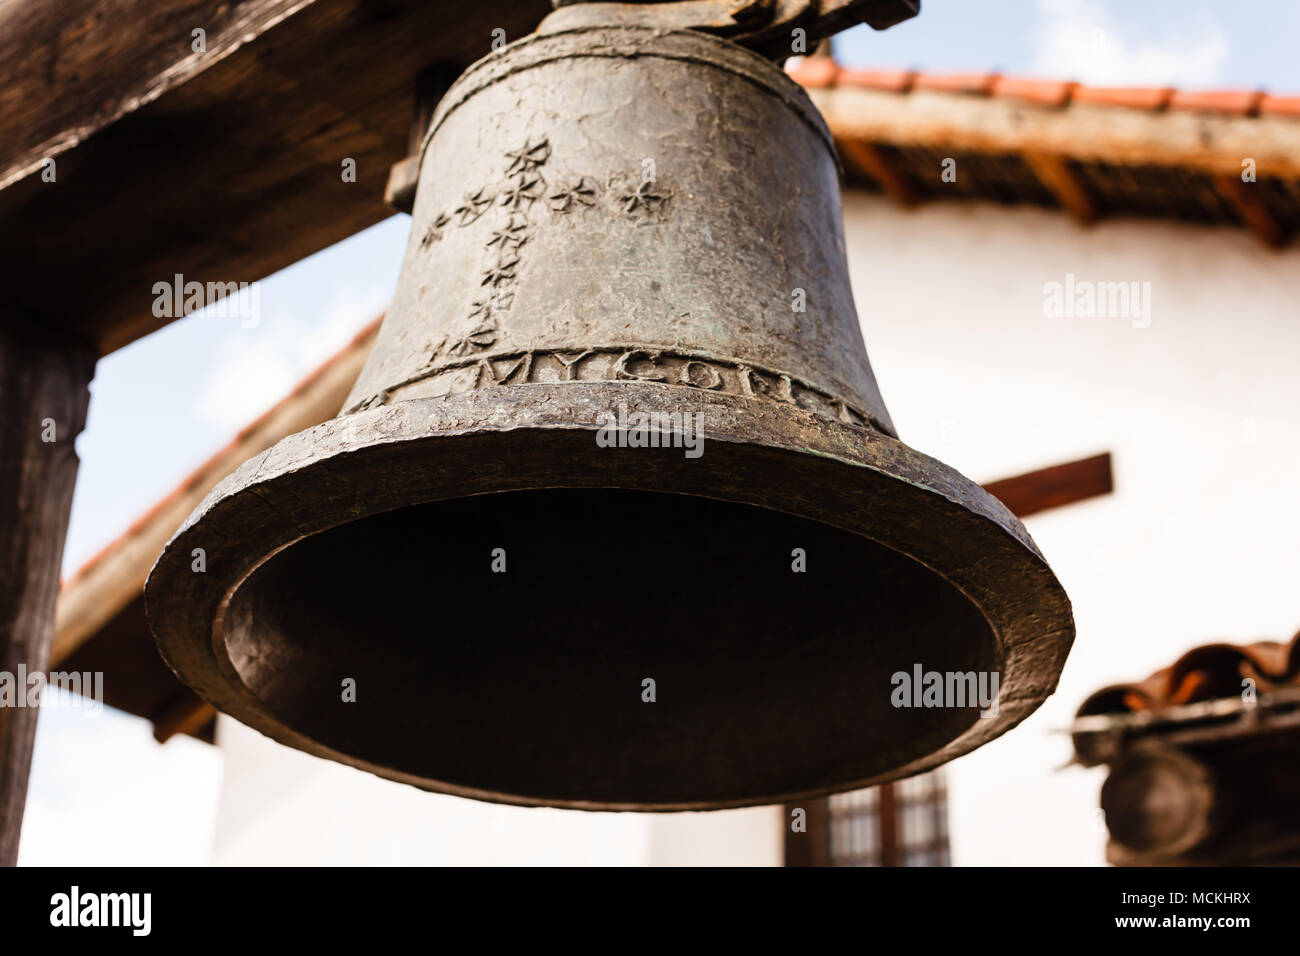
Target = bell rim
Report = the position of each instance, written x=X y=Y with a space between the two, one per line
x=185 y=609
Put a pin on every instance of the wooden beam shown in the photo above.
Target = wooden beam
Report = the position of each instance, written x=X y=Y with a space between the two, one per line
x=43 y=397
x=1251 y=209
x=1210 y=142
x=79 y=66
x=1055 y=487
x=1054 y=173
x=866 y=159
x=223 y=166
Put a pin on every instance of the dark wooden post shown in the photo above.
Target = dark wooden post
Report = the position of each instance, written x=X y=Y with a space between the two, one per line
x=890 y=854
x=812 y=846
x=43 y=398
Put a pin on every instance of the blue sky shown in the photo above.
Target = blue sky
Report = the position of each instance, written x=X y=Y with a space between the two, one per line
x=105 y=792
x=1184 y=43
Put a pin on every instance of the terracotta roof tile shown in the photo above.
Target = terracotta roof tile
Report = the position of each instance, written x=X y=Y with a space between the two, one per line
x=979 y=84
x=822 y=72
x=1131 y=97
x=1270 y=105
x=1041 y=92
x=1207 y=672
x=892 y=81
x=1240 y=102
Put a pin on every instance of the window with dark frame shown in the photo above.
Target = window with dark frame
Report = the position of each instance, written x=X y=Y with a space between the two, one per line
x=896 y=824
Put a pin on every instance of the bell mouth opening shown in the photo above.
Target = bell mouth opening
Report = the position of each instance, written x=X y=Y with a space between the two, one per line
x=362 y=550
x=501 y=645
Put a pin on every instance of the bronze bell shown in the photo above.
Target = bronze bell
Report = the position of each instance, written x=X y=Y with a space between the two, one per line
x=614 y=223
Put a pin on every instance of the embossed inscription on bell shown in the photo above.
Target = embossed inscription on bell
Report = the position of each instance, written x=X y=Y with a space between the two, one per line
x=614 y=221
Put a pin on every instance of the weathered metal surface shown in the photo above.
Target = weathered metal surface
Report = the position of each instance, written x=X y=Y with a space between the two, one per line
x=654 y=223
x=776 y=28
x=735 y=19
x=613 y=219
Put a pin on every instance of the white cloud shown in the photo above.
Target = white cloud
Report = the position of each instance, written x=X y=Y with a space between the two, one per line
x=248 y=379
x=1083 y=40
x=256 y=367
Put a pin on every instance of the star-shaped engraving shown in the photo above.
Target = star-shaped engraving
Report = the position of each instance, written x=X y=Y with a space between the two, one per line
x=645 y=197
x=503 y=271
x=581 y=193
x=512 y=235
x=435 y=230
x=526 y=189
x=483 y=337
x=433 y=349
x=475 y=205
x=481 y=310
x=528 y=157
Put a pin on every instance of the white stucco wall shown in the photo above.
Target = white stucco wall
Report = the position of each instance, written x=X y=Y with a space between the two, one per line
x=1201 y=540
x=282 y=807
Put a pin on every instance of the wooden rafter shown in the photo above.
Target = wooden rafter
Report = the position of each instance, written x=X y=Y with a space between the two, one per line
x=865 y=159
x=1253 y=212
x=1054 y=172
x=187 y=715
x=1055 y=487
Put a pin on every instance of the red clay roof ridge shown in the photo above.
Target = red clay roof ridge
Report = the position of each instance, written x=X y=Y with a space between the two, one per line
x=824 y=73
